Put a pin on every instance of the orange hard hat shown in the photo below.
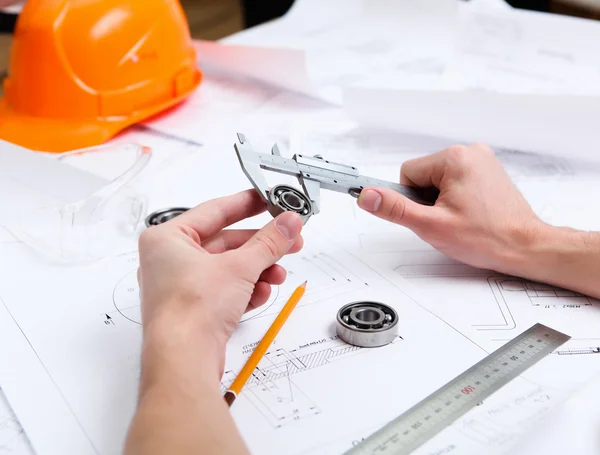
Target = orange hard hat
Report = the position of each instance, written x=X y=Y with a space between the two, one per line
x=81 y=71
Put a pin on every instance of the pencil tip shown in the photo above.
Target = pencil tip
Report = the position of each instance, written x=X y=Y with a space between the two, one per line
x=229 y=397
x=304 y=284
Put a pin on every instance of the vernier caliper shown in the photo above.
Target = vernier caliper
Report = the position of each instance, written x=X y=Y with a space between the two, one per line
x=313 y=173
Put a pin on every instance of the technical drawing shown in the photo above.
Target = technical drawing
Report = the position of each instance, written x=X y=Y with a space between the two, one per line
x=586 y=351
x=543 y=295
x=490 y=309
x=538 y=295
x=271 y=389
x=506 y=310
x=126 y=299
x=329 y=277
x=497 y=423
x=280 y=401
x=508 y=322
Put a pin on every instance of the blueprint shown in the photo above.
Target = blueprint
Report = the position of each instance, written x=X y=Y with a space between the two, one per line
x=452 y=315
x=90 y=387
x=83 y=383
x=493 y=307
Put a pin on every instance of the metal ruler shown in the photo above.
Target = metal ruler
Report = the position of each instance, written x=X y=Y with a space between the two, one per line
x=420 y=423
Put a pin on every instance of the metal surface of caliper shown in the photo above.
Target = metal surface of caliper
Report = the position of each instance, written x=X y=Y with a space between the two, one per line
x=313 y=173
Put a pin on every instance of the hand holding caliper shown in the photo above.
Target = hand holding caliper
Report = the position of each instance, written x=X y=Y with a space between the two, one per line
x=313 y=173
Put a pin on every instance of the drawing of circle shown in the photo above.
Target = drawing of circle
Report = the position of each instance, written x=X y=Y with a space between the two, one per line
x=126 y=298
x=127 y=301
x=260 y=310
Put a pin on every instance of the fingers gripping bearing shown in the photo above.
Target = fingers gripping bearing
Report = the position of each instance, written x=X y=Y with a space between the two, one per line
x=270 y=243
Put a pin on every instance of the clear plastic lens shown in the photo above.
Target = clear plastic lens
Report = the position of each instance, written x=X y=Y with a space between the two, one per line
x=103 y=222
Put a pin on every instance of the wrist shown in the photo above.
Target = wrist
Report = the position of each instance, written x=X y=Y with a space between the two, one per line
x=560 y=256
x=513 y=253
x=180 y=348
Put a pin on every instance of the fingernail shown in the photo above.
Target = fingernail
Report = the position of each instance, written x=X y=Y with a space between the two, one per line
x=369 y=200
x=289 y=225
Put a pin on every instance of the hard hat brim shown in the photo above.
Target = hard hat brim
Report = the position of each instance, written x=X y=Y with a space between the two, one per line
x=55 y=135
x=63 y=135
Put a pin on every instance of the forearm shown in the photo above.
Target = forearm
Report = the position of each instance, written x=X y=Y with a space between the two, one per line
x=563 y=257
x=181 y=409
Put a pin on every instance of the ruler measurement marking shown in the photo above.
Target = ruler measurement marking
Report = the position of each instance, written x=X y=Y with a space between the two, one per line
x=440 y=409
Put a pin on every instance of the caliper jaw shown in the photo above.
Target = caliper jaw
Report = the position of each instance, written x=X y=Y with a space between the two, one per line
x=280 y=198
x=313 y=173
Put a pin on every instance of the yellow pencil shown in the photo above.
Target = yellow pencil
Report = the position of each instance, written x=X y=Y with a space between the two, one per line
x=264 y=344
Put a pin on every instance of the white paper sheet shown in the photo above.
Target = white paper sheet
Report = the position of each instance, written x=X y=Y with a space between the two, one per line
x=167 y=151
x=228 y=104
x=253 y=71
x=561 y=125
x=215 y=109
x=490 y=309
x=89 y=387
x=315 y=49
x=494 y=307
x=517 y=79
x=495 y=4
x=283 y=68
x=381 y=150
x=95 y=379
x=573 y=428
x=522 y=51
x=483 y=90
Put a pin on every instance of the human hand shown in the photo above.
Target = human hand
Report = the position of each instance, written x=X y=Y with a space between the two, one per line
x=197 y=279
x=480 y=217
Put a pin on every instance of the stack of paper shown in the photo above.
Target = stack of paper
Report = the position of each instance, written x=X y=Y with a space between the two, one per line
x=472 y=71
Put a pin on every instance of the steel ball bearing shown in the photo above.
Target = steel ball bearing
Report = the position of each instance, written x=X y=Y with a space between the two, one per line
x=367 y=324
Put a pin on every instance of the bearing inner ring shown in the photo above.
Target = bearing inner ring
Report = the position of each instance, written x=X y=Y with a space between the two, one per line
x=367 y=324
x=362 y=317
x=290 y=199
x=164 y=215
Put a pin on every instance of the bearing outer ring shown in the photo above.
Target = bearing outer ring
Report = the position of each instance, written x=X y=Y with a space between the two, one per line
x=164 y=215
x=367 y=324
x=281 y=194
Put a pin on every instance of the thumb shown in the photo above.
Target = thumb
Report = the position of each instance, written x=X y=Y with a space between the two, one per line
x=271 y=243
x=392 y=206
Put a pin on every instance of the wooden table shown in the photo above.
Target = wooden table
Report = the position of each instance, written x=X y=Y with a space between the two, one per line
x=4 y=50
x=589 y=9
